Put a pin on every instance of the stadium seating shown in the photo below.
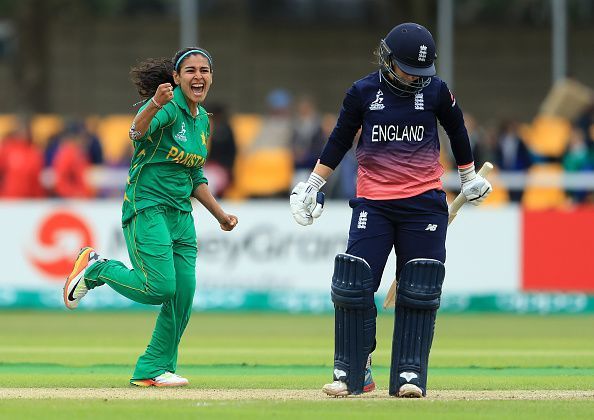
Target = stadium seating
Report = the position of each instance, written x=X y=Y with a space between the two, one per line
x=257 y=173
x=263 y=173
x=43 y=126
x=113 y=132
x=543 y=190
x=547 y=135
x=269 y=171
x=245 y=127
x=8 y=123
x=499 y=196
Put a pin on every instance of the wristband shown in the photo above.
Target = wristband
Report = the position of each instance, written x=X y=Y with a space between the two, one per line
x=467 y=173
x=316 y=181
x=155 y=103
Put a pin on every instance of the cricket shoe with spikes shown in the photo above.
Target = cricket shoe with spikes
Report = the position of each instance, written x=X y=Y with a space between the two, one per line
x=75 y=288
x=339 y=388
x=165 y=379
x=410 y=391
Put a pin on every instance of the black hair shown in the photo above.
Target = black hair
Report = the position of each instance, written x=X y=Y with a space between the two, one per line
x=149 y=74
x=198 y=50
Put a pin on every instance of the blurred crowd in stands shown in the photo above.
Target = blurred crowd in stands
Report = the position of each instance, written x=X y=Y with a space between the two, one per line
x=262 y=156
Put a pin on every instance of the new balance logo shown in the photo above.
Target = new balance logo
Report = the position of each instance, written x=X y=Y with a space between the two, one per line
x=362 y=223
x=422 y=52
x=419 y=101
x=377 y=104
x=408 y=376
x=431 y=227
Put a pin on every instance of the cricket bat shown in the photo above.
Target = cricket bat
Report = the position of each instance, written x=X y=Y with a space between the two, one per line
x=453 y=209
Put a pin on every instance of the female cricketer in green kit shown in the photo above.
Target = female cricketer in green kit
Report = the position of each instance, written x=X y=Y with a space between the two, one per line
x=169 y=135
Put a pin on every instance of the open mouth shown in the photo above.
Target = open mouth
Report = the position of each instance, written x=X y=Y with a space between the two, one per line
x=197 y=88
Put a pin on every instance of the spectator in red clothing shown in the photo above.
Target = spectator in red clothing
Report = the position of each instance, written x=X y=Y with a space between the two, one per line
x=71 y=168
x=21 y=163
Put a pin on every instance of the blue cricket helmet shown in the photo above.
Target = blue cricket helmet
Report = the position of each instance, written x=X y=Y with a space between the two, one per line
x=410 y=47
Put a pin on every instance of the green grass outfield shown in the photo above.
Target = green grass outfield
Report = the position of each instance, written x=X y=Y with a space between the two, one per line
x=245 y=365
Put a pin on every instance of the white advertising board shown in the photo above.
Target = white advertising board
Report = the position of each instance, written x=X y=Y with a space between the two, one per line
x=267 y=252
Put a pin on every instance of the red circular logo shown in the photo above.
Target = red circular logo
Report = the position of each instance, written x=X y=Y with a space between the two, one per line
x=59 y=238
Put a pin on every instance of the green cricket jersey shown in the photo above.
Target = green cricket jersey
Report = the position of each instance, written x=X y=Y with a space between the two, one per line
x=168 y=159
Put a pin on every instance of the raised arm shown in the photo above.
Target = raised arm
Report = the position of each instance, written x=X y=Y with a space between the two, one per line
x=142 y=122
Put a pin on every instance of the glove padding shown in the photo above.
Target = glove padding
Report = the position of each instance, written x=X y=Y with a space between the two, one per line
x=476 y=190
x=307 y=203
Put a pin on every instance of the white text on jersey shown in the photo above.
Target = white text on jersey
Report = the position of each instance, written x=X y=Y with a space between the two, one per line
x=409 y=133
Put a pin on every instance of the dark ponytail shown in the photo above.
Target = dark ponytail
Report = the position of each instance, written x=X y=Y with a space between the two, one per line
x=148 y=75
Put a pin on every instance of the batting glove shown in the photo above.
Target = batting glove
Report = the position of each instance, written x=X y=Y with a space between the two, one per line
x=307 y=202
x=474 y=187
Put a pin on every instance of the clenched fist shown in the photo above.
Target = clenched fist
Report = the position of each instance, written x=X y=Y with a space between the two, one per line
x=229 y=222
x=163 y=95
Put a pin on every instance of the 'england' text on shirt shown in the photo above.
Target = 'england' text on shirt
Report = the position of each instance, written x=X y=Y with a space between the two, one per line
x=408 y=133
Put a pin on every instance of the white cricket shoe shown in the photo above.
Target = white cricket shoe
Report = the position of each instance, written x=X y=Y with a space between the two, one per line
x=180 y=378
x=75 y=288
x=339 y=388
x=165 y=379
x=410 y=391
x=336 y=389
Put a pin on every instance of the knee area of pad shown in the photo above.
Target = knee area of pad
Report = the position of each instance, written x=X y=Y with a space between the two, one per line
x=422 y=277
x=420 y=284
x=351 y=272
x=352 y=283
x=352 y=299
x=416 y=303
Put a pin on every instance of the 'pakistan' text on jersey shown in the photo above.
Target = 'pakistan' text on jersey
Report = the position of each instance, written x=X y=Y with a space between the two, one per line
x=398 y=149
x=168 y=159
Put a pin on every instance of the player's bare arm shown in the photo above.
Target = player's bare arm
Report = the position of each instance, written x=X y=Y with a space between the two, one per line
x=205 y=197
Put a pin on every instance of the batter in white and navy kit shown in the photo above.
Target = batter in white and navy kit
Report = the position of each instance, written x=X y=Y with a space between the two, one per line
x=400 y=205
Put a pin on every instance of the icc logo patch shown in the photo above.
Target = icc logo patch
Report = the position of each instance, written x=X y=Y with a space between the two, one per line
x=377 y=104
x=57 y=241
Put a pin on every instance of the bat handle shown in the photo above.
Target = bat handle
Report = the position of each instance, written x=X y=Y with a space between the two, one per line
x=485 y=169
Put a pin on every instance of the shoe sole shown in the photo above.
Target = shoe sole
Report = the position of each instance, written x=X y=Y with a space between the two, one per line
x=144 y=383
x=369 y=387
x=410 y=391
x=333 y=393
x=79 y=266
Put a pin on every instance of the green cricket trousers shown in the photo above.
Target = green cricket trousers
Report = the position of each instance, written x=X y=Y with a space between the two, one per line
x=161 y=244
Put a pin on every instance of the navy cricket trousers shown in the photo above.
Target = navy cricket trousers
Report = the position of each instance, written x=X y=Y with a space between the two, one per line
x=415 y=227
